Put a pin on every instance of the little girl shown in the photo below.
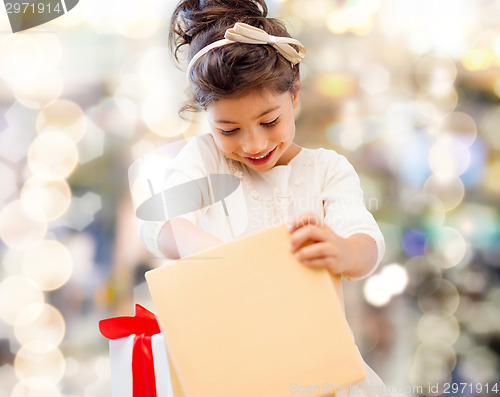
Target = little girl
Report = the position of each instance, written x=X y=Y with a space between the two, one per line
x=244 y=73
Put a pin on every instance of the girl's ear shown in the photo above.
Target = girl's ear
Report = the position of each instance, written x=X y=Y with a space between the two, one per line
x=295 y=94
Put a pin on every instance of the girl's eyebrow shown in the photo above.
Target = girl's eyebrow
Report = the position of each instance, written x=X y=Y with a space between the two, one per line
x=258 y=117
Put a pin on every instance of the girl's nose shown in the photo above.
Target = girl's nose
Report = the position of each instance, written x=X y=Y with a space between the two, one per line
x=254 y=143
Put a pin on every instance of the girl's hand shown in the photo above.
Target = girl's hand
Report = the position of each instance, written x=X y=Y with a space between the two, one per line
x=316 y=245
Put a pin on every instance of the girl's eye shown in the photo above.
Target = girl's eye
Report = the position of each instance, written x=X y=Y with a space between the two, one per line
x=231 y=132
x=271 y=124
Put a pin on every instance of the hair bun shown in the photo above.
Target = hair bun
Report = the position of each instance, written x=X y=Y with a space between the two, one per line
x=192 y=18
x=233 y=69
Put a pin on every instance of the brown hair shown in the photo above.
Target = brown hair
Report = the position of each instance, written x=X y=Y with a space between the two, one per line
x=236 y=68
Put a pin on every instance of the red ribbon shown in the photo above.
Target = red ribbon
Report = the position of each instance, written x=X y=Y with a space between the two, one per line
x=143 y=325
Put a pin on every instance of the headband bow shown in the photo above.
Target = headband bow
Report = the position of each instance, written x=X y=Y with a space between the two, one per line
x=243 y=33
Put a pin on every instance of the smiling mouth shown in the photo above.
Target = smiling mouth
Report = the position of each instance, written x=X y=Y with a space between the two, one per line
x=261 y=159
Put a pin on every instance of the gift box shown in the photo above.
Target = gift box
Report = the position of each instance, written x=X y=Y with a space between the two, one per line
x=248 y=319
x=138 y=357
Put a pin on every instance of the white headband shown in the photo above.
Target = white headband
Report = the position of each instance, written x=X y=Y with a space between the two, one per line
x=243 y=33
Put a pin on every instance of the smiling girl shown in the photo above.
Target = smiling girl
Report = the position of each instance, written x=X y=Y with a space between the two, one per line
x=244 y=73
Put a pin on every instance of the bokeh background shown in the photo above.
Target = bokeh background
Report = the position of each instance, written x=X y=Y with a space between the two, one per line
x=408 y=90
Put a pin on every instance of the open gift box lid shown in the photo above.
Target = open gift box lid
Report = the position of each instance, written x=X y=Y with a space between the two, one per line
x=248 y=319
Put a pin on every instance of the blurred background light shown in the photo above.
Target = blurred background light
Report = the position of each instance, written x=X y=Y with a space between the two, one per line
x=39 y=90
x=478 y=160
x=380 y=288
x=313 y=9
x=26 y=292
x=335 y=85
x=429 y=370
x=414 y=243
x=11 y=262
x=52 y=155
x=17 y=229
x=449 y=157
x=480 y=319
x=490 y=127
x=151 y=70
x=436 y=106
x=35 y=387
x=438 y=327
x=40 y=322
x=352 y=131
x=48 y=264
x=355 y=19
x=16 y=138
x=478 y=59
x=44 y=200
x=446 y=28
x=91 y=12
x=496 y=87
x=117 y=115
x=160 y=118
x=442 y=351
x=21 y=58
x=374 y=79
x=479 y=366
x=396 y=277
x=9 y=184
x=423 y=211
x=82 y=211
x=449 y=190
x=448 y=247
x=479 y=224
x=91 y=146
x=458 y=125
x=433 y=362
x=438 y=294
x=135 y=19
x=435 y=75
x=408 y=164
x=420 y=270
x=128 y=85
x=375 y=293
x=40 y=360
x=491 y=178
x=470 y=280
x=62 y=116
x=28 y=65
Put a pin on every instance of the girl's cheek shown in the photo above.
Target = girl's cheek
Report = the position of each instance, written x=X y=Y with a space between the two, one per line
x=224 y=145
x=285 y=134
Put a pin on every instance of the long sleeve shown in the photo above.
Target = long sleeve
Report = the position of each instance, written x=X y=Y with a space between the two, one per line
x=344 y=209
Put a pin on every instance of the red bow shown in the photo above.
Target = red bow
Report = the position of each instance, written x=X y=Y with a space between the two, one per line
x=143 y=325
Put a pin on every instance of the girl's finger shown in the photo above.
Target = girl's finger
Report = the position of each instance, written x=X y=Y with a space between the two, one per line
x=316 y=251
x=323 y=263
x=307 y=218
x=305 y=234
x=329 y=263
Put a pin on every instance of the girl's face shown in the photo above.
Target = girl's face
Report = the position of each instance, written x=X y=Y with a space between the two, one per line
x=256 y=129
